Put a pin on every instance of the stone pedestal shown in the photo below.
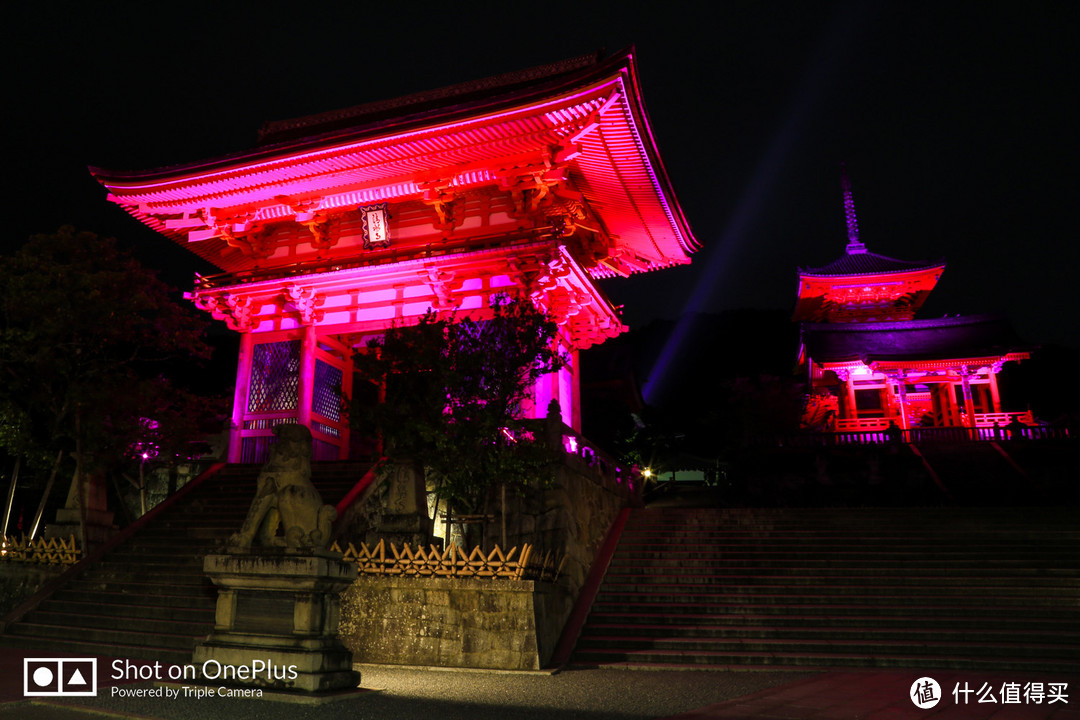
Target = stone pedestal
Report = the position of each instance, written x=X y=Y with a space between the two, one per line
x=99 y=520
x=404 y=518
x=99 y=527
x=276 y=625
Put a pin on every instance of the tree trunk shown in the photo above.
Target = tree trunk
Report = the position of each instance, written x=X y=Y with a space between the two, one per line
x=142 y=488
x=502 y=513
x=174 y=476
x=45 y=495
x=80 y=482
x=10 y=497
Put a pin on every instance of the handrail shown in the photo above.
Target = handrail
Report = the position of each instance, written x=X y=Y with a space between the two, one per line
x=589 y=590
x=982 y=420
x=617 y=476
x=361 y=485
x=916 y=436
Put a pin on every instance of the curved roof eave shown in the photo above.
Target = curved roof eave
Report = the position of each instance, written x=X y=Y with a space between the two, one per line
x=620 y=67
x=870 y=264
x=429 y=117
x=689 y=243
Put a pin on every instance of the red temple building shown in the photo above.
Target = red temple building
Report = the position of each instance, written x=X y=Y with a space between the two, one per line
x=337 y=226
x=871 y=364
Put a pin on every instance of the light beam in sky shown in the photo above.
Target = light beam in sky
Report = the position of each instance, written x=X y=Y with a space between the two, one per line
x=821 y=70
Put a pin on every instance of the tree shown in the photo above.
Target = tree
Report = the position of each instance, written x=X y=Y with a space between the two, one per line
x=454 y=389
x=85 y=332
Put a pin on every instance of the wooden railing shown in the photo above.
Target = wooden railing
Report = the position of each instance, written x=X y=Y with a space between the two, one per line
x=940 y=435
x=453 y=562
x=621 y=478
x=982 y=420
x=987 y=420
x=864 y=424
x=56 y=551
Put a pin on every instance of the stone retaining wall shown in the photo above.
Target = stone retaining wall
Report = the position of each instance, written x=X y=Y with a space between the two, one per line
x=471 y=623
x=487 y=623
x=19 y=581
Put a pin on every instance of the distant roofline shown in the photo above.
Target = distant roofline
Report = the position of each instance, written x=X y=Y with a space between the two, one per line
x=904 y=266
x=986 y=336
x=890 y=325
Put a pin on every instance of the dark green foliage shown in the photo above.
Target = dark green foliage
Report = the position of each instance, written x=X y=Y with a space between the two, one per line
x=85 y=333
x=454 y=388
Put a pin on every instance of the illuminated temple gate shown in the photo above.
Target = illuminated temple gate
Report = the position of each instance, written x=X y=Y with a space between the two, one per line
x=871 y=364
x=337 y=226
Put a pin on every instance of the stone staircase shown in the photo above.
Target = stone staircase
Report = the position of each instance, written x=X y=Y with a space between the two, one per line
x=148 y=599
x=986 y=589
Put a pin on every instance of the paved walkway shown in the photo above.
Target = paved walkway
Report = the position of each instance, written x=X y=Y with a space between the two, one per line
x=398 y=693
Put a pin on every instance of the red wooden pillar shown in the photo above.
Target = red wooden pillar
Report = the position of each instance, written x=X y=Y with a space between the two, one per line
x=309 y=342
x=968 y=411
x=995 y=393
x=901 y=391
x=240 y=396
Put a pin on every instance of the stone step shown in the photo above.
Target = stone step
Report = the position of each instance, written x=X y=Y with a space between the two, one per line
x=171 y=542
x=920 y=588
x=641 y=633
x=50 y=646
x=669 y=584
x=79 y=622
x=181 y=561
x=863 y=543
x=194 y=586
x=205 y=599
x=846 y=646
x=149 y=598
x=107 y=636
x=735 y=605
x=203 y=613
x=740 y=573
x=137 y=575
x=920 y=543
x=845 y=527
x=683 y=597
x=1048 y=568
x=831 y=620
x=817 y=661
x=809 y=559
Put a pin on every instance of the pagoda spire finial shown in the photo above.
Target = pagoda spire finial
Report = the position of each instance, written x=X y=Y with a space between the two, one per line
x=853 y=246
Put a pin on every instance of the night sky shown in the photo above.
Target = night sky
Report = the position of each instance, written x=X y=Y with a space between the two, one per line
x=958 y=126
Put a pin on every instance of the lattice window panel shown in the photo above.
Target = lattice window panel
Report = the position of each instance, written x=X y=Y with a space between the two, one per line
x=326 y=400
x=328 y=430
x=275 y=376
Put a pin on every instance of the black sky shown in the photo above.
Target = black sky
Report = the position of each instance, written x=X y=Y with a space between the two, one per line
x=957 y=124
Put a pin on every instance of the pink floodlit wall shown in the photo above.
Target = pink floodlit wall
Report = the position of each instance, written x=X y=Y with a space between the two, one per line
x=555 y=386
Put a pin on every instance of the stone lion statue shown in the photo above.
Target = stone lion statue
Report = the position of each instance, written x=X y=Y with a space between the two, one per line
x=285 y=498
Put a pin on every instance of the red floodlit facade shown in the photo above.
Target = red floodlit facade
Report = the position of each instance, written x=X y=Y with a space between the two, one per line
x=338 y=226
x=872 y=365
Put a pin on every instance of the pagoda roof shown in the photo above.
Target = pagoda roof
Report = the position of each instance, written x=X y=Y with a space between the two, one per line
x=857 y=260
x=585 y=113
x=973 y=336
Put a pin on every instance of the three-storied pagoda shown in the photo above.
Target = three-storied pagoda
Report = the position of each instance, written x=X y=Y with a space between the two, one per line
x=871 y=363
x=337 y=226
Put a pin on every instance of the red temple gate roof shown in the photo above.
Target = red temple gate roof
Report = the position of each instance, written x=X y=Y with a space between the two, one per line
x=575 y=131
